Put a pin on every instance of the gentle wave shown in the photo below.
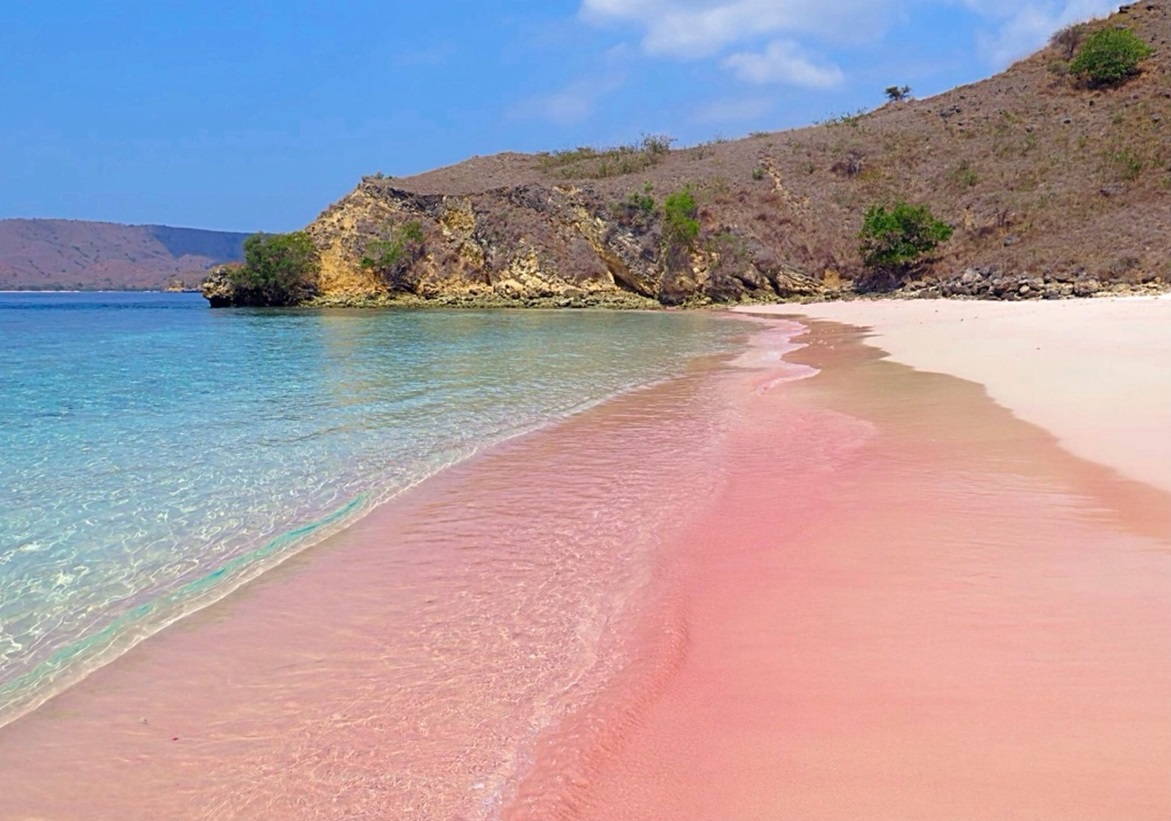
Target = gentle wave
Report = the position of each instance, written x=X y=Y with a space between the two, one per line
x=74 y=661
x=160 y=454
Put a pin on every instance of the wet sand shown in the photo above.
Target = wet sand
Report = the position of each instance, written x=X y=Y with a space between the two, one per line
x=908 y=604
x=837 y=588
x=405 y=667
x=1096 y=373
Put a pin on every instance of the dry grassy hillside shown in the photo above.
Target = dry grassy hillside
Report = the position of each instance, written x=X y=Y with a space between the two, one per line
x=78 y=255
x=1053 y=189
x=1068 y=177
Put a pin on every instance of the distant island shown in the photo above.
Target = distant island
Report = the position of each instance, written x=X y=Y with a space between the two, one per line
x=75 y=255
x=1051 y=179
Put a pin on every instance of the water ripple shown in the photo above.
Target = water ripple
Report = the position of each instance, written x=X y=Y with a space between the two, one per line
x=155 y=449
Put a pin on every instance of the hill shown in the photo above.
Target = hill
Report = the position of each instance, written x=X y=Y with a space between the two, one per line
x=44 y=254
x=1054 y=189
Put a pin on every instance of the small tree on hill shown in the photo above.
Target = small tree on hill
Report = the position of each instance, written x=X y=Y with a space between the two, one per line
x=892 y=241
x=278 y=269
x=897 y=94
x=1066 y=40
x=1109 y=57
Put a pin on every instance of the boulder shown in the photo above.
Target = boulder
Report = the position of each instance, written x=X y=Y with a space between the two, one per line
x=218 y=288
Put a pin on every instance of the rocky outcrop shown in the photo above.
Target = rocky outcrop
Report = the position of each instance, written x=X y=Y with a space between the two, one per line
x=527 y=245
x=218 y=288
x=989 y=282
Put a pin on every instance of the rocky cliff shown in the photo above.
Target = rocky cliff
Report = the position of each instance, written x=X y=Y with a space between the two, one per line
x=541 y=244
x=1054 y=190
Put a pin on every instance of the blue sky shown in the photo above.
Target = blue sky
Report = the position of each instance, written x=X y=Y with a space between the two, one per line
x=250 y=116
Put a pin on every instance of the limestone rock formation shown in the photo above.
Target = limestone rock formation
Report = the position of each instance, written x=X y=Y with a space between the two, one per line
x=218 y=289
x=531 y=244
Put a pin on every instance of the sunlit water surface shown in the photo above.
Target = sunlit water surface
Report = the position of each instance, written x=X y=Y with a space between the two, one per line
x=157 y=453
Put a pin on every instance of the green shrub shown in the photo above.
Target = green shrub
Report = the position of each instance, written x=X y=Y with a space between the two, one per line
x=680 y=226
x=393 y=258
x=643 y=203
x=892 y=240
x=278 y=269
x=1108 y=57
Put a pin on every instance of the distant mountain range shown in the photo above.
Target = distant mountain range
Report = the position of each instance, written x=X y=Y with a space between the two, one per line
x=51 y=254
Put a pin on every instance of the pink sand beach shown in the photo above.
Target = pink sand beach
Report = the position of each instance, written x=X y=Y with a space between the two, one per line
x=910 y=571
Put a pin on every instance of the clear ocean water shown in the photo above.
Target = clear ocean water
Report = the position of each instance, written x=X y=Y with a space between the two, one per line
x=156 y=454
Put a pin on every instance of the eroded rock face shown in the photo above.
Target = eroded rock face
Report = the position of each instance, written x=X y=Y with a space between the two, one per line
x=571 y=246
x=218 y=288
x=530 y=244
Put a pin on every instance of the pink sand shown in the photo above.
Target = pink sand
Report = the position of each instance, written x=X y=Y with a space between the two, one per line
x=906 y=604
x=1096 y=373
x=405 y=667
x=761 y=591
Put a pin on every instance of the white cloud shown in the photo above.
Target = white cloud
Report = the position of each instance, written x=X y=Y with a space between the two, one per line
x=1020 y=28
x=783 y=62
x=700 y=28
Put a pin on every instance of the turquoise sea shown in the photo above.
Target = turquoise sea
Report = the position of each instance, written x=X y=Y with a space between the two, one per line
x=156 y=454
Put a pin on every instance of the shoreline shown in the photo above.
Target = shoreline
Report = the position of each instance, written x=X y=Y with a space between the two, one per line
x=619 y=299
x=143 y=622
x=77 y=656
x=775 y=655
x=912 y=606
x=131 y=628
x=1029 y=361
x=200 y=681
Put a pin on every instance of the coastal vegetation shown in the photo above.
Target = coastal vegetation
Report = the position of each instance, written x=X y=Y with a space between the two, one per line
x=680 y=227
x=642 y=201
x=896 y=238
x=893 y=240
x=852 y=119
x=586 y=162
x=278 y=269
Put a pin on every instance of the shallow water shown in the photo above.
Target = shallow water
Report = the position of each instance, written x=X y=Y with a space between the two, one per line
x=157 y=453
x=905 y=603
x=409 y=665
x=833 y=588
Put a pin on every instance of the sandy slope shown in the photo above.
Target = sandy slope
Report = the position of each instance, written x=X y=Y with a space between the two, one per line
x=1095 y=373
